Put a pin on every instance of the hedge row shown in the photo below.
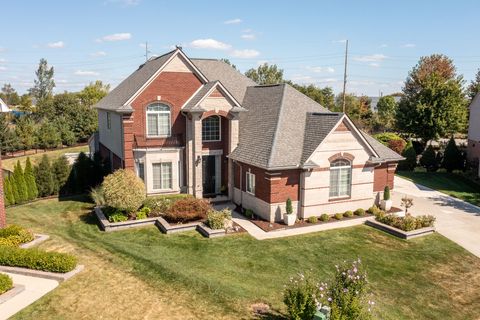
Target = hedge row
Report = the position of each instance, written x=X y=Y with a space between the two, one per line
x=37 y=259
x=6 y=283
x=14 y=235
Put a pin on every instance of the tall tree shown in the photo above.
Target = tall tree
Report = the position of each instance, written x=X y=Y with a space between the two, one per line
x=26 y=104
x=92 y=93
x=386 y=108
x=19 y=180
x=323 y=96
x=474 y=86
x=44 y=177
x=32 y=189
x=48 y=135
x=9 y=95
x=452 y=158
x=44 y=84
x=229 y=63
x=434 y=103
x=8 y=194
x=13 y=187
x=26 y=131
x=61 y=171
x=266 y=74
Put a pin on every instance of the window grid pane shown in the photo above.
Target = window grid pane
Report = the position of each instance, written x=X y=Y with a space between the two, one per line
x=211 y=129
x=152 y=124
x=158 y=120
x=250 y=181
x=167 y=175
x=340 y=178
x=156 y=168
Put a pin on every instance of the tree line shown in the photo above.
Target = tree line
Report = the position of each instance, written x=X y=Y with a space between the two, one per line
x=47 y=120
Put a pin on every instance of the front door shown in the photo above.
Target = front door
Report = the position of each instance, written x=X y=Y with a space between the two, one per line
x=208 y=175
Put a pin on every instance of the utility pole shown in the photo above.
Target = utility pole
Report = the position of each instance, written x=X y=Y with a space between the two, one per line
x=345 y=75
x=146 y=51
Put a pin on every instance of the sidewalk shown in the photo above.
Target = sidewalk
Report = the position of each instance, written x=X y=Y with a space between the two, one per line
x=35 y=288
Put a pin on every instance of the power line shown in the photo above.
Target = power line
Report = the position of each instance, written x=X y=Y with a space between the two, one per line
x=345 y=75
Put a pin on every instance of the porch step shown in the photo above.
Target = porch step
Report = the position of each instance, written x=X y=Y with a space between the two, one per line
x=219 y=199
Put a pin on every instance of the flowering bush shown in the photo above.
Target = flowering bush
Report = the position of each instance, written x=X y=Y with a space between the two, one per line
x=300 y=297
x=407 y=223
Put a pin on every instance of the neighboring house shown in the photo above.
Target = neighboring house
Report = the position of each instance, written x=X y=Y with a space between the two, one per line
x=4 y=107
x=473 y=147
x=199 y=126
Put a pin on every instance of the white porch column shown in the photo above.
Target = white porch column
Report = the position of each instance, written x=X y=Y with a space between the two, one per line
x=232 y=144
x=189 y=158
x=197 y=155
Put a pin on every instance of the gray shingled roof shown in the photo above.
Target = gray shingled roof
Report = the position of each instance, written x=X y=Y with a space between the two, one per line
x=199 y=95
x=127 y=88
x=235 y=82
x=317 y=127
x=384 y=152
x=273 y=129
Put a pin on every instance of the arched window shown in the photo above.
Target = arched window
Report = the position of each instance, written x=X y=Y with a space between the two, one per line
x=340 y=178
x=211 y=128
x=158 y=120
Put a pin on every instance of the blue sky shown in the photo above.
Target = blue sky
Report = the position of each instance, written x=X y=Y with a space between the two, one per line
x=104 y=39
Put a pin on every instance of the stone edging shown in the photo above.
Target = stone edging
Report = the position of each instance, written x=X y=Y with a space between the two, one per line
x=167 y=228
x=38 y=238
x=112 y=226
x=210 y=233
x=60 y=277
x=400 y=233
x=17 y=288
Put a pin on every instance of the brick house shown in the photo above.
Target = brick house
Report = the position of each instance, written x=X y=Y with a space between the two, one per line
x=199 y=126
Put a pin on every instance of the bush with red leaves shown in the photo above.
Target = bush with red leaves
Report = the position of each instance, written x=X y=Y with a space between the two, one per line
x=186 y=210
x=397 y=145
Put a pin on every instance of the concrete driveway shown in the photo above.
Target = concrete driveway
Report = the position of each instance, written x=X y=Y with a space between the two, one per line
x=457 y=220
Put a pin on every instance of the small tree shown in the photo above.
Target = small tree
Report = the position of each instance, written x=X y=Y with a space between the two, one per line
x=123 y=190
x=8 y=195
x=429 y=159
x=407 y=203
x=82 y=174
x=32 y=189
x=13 y=186
x=386 y=193
x=410 y=161
x=44 y=177
x=61 y=171
x=452 y=158
x=289 y=207
x=19 y=181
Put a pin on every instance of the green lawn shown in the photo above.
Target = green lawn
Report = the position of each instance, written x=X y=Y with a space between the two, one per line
x=452 y=184
x=144 y=274
x=36 y=157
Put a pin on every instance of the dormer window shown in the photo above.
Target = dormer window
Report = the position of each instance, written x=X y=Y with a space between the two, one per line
x=211 y=129
x=158 y=120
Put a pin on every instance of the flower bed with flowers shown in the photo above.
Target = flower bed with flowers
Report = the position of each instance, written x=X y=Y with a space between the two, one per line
x=346 y=296
x=406 y=223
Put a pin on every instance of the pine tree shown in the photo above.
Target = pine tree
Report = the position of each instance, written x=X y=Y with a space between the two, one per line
x=19 y=181
x=452 y=158
x=410 y=156
x=30 y=181
x=44 y=177
x=61 y=171
x=13 y=187
x=429 y=160
x=7 y=192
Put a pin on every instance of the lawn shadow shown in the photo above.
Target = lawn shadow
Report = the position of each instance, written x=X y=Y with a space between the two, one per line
x=447 y=201
x=270 y=316
x=90 y=219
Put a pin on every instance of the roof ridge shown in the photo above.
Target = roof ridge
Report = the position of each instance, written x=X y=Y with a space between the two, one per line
x=304 y=95
x=277 y=126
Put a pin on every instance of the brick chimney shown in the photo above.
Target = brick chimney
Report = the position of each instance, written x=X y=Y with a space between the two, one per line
x=3 y=218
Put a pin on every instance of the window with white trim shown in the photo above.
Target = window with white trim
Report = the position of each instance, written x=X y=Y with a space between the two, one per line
x=162 y=175
x=211 y=128
x=250 y=182
x=158 y=120
x=340 y=178
x=109 y=121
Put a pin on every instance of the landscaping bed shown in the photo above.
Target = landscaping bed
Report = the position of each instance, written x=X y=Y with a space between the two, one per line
x=398 y=232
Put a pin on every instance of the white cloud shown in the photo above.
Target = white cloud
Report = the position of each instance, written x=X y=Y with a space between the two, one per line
x=86 y=73
x=370 y=58
x=384 y=45
x=124 y=3
x=340 y=41
x=99 y=54
x=321 y=69
x=374 y=64
x=209 y=44
x=116 y=37
x=409 y=45
x=245 y=53
x=2 y=60
x=2 y=49
x=63 y=81
x=248 y=36
x=56 y=45
x=2 y=68
x=233 y=21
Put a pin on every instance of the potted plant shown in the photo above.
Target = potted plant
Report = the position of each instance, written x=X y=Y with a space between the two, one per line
x=289 y=217
x=386 y=203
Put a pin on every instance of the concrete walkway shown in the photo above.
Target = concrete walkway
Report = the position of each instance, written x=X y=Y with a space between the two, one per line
x=457 y=220
x=35 y=288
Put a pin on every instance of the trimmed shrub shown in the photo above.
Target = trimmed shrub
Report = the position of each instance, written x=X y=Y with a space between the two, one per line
x=249 y=213
x=429 y=159
x=186 y=210
x=359 y=212
x=216 y=219
x=142 y=213
x=289 y=207
x=452 y=158
x=124 y=190
x=410 y=161
x=300 y=297
x=6 y=283
x=21 y=234
x=61 y=172
x=386 y=193
x=37 y=259
x=32 y=189
x=19 y=180
x=82 y=177
x=7 y=192
x=324 y=217
x=374 y=210
x=13 y=186
x=348 y=214
x=44 y=177
x=338 y=216
x=161 y=204
x=313 y=219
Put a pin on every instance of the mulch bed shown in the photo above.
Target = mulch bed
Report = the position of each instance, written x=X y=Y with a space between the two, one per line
x=275 y=226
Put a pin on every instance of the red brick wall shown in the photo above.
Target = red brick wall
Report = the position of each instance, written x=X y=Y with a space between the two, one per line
x=270 y=186
x=3 y=218
x=384 y=175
